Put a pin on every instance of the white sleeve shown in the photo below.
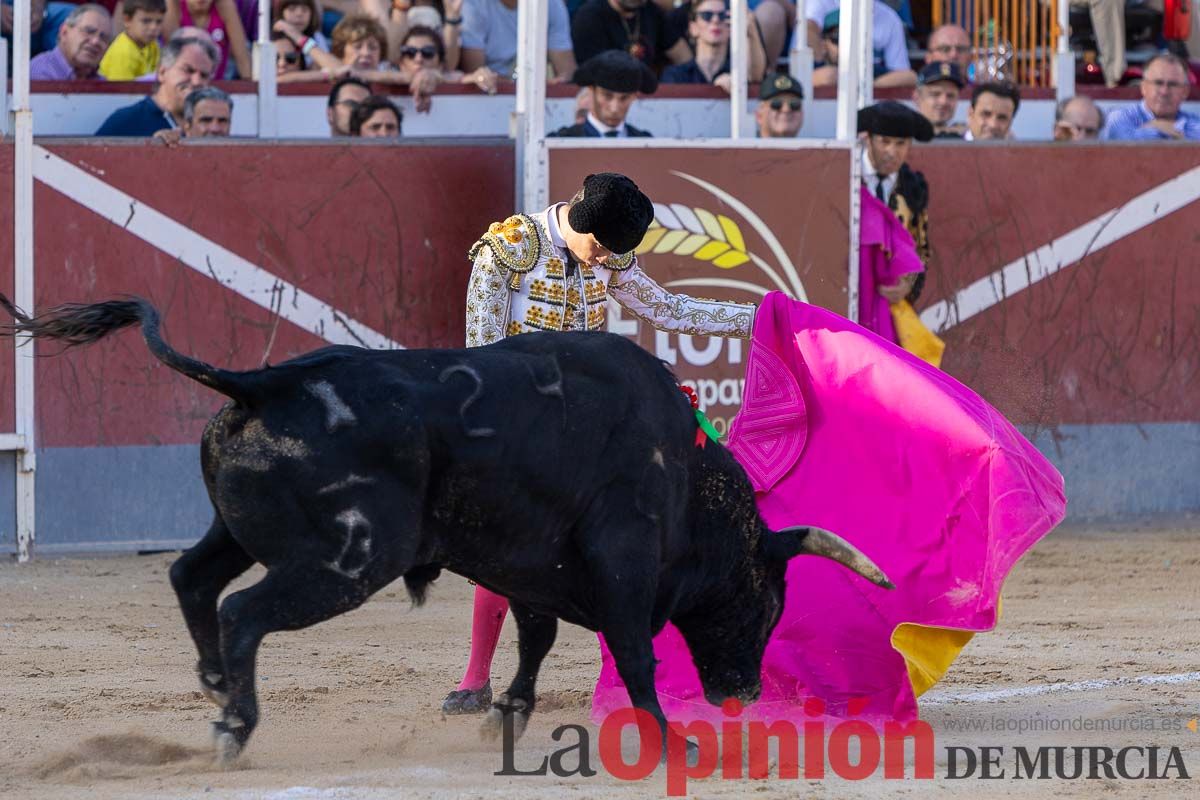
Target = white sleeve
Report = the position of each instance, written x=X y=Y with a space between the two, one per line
x=679 y=313
x=487 y=300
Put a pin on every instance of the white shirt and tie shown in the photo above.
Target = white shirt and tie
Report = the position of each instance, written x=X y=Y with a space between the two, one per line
x=617 y=132
x=879 y=185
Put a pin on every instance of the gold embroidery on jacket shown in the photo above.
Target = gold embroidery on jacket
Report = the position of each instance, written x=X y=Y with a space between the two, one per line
x=619 y=263
x=515 y=244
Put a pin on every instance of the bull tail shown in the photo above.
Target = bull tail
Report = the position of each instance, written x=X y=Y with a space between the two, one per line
x=76 y=324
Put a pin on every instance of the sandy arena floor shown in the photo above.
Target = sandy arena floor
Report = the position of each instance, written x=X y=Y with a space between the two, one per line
x=98 y=698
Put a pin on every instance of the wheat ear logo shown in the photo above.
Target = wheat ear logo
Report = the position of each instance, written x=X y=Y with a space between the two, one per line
x=683 y=230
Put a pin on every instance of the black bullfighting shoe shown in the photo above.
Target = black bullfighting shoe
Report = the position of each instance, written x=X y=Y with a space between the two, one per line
x=468 y=701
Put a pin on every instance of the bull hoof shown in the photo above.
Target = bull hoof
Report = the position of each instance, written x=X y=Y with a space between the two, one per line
x=212 y=686
x=228 y=744
x=468 y=701
x=493 y=724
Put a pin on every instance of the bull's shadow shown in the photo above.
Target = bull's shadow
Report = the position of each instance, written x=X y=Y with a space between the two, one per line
x=560 y=470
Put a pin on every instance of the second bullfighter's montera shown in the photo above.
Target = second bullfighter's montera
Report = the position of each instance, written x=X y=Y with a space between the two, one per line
x=560 y=470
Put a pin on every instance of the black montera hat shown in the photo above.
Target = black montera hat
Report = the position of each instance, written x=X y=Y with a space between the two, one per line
x=616 y=71
x=941 y=71
x=891 y=118
x=613 y=210
x=779 y=83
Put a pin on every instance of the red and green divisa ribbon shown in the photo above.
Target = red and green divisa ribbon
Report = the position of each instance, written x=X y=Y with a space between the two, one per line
x=706 y=430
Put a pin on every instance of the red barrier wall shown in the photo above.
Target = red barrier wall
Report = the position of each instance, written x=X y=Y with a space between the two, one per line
x=380 y=233
x=1114 y=338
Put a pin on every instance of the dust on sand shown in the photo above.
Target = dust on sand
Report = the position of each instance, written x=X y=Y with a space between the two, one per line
x=98 y=697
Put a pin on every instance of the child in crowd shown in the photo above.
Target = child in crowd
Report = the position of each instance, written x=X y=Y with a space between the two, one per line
x=300 y=20
x=135 y=50
x=223 y=23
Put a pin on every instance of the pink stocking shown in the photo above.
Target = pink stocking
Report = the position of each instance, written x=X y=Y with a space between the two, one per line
x=487 y=621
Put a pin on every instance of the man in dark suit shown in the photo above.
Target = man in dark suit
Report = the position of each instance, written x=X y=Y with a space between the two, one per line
x=890 y=128
x=616 y=79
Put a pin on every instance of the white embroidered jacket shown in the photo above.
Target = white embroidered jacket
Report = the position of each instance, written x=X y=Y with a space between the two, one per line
x=519 y=283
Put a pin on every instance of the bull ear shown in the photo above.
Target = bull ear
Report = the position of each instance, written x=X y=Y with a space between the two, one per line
x=789 y=542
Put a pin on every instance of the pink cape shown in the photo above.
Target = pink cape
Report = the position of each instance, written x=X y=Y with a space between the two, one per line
x=886 y=254
x=845 y=431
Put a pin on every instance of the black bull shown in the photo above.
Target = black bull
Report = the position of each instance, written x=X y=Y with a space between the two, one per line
x=559 y=470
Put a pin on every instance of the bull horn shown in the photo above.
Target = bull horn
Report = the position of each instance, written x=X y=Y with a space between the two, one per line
x=820 y=542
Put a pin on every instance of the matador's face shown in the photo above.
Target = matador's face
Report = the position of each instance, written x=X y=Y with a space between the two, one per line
x=587 y=250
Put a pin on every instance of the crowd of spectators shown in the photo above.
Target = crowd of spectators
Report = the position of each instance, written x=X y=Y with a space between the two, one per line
x=613 y=50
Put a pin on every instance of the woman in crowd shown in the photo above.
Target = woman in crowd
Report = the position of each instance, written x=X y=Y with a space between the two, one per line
x=304 y=19
x=289 y=61
x=422 y=50
x=440 y=15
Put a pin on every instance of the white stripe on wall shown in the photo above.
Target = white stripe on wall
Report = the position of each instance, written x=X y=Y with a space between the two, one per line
x=205 y=256
x=1109 y=227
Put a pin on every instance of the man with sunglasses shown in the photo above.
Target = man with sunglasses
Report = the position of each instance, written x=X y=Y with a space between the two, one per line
x=780 y=112
x=557 y=270
x=1160 y=115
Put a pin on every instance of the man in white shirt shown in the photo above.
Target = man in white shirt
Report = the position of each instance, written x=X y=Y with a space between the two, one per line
x=993 y=108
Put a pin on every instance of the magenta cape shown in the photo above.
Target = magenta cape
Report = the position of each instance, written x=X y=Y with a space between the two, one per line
x=845 y=431
x=886 y=254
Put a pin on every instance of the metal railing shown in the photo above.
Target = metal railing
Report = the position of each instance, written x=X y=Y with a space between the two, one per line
x=1012 y=40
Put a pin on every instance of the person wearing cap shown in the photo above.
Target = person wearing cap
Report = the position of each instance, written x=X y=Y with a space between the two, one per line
x=709 y=31
x=890 y=128
x=936 y=96
x=780 y=112
x=890 y=50
x=616 y=79
x=556 y=270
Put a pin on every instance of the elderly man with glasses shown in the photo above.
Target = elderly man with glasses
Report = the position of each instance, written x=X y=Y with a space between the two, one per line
x=82 y=41
x=1160 y=115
